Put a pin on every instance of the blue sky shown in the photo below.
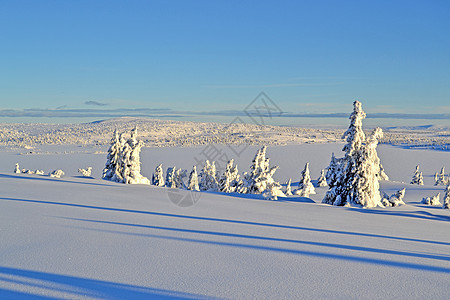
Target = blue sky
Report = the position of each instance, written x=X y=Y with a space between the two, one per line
x=308 y=56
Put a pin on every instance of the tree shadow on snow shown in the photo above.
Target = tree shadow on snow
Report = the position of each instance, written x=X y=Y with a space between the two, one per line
x=347 y=257
x=296 y=199
x=47 y=178
x=243 y=222
x=42 y=285
x=419 y=214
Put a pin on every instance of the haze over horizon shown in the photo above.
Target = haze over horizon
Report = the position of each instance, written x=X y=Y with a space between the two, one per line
x=205 y=60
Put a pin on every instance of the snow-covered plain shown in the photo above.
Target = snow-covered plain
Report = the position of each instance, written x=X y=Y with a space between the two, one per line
x=81 y=237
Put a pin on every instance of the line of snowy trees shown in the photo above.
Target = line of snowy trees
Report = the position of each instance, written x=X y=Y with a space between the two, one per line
x=258 y=181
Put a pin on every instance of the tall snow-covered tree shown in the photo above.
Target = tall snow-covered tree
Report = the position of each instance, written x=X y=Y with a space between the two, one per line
x=134 y=175
x=17 y=169
x=357 y=177
x=208 y=177
x=322 y=181
x=305 y=187
x=417 y=177
x=193 y=180
x=123 y=160
x=112 y=166
x=446 y=204
x=367 y=185
x=158 y=176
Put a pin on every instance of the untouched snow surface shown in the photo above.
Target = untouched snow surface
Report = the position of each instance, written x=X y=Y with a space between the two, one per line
x=77 y=237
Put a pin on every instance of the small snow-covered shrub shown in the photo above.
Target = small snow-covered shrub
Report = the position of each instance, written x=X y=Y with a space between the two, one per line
x=434 y=200
x=17 y=169
x=85 y=172
x=395 y=199
x=39 y=172
x=273 y=191
x=56 y=173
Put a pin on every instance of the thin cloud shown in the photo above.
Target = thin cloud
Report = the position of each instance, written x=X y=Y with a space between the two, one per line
x=275 y=85
x=95 y=103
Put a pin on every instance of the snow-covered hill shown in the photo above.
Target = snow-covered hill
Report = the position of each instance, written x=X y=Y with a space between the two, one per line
x=161 y=133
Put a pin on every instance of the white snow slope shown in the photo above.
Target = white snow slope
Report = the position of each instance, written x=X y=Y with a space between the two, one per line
x=77 y=237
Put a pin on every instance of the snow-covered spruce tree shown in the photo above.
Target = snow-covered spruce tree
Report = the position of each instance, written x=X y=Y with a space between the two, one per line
x=334 y=169
x=158 y=176
x=170 y=177
x=357 y=177
x=208 y=177
x=367 y=185
x=288 y=191
x=244 y=183
x=193 y=180
x=112 y=166
x=17 y=169
x=123 y=160
x=229 y=180
x=260 y=179
x=440 y=178
x=180 y=174
x=417 y=177
x=135 y=176
x=446 y=201
x=433 y=200
x=322 y=181
x=305 y=187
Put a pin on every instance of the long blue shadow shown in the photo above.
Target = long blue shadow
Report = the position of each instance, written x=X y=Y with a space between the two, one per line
x=78 y=287
x=229 y=221
x=253 y=237
x=46 y=178
x=360 y=259
x=409 y=214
